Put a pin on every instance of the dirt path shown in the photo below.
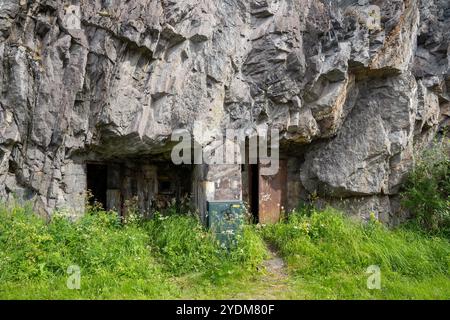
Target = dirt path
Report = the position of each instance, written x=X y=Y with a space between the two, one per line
x=275 y=265
x=273 y=284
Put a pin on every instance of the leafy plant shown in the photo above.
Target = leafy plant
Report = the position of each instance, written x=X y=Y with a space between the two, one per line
x=427 y=192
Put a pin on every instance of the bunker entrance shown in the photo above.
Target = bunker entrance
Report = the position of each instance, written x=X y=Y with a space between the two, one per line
x=250 y=185
x=146 y=187
x=265 y=195
x=97 y=183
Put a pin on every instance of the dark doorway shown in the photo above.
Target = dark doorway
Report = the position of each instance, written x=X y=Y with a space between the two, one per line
x=97 y=183
x=253 y=181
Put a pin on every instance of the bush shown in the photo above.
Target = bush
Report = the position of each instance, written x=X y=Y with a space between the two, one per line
x=167 y=257
x=181 y=243
x=427 y=192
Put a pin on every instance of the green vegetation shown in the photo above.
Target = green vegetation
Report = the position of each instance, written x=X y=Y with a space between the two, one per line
x=183 y=246
x=427 y=193
x=327 y=256
x=115 y=260
x=135 y=260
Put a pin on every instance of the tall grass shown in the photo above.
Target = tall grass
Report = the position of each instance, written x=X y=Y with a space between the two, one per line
x=175 y=256
x=137 y=258
x=330 y=250
x=107 y=252
x=184 y=245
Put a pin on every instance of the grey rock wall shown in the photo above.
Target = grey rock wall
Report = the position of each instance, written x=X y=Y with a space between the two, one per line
x=106 y=79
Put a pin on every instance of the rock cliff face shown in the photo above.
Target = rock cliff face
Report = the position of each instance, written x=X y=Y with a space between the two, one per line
x=355 y=87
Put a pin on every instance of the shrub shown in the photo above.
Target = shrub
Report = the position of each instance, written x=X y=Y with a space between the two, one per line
x=101 y=244
x=168 y=257
x=427 y=191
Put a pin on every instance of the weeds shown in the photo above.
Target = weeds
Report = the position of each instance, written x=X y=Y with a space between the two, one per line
x=326 y=249
x=184 y=245
x=111 y=252
x=174 y=256
x=427 y=192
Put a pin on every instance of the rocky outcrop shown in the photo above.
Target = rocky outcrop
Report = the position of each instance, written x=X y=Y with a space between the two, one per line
x=355 y=87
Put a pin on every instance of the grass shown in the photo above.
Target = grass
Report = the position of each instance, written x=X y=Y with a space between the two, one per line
x=115 y=260
x=138 y=260
x=174 y=257
x=328 y=256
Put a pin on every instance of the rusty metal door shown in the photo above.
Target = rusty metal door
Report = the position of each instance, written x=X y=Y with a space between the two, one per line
x=272 y=195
